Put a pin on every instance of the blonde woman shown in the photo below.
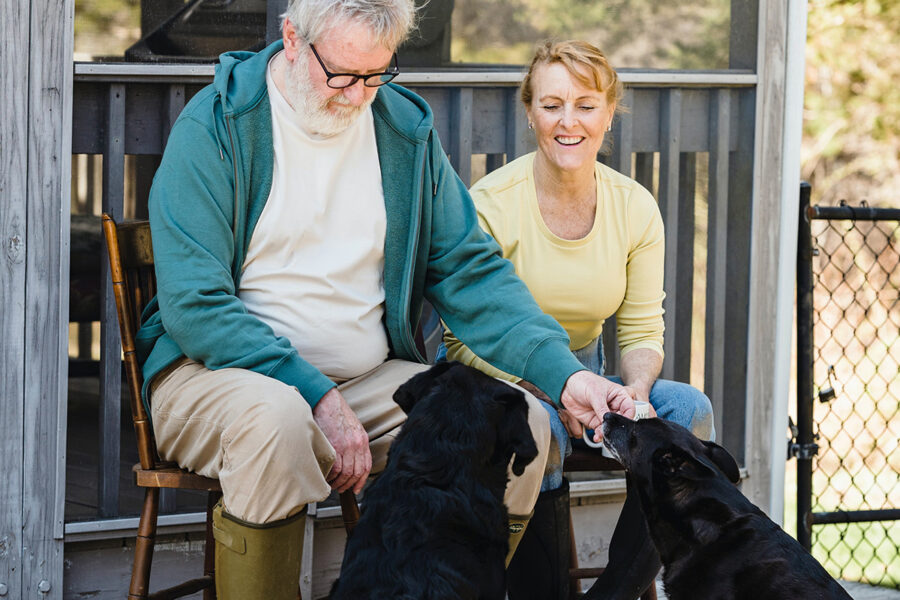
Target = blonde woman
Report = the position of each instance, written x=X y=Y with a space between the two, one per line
x=589 y=243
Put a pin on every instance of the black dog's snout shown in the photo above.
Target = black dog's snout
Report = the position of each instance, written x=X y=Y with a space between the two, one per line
x=612 y=419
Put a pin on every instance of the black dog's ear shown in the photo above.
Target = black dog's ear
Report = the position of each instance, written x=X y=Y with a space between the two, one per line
x=419 y=385
x=670 y=462
x=722 y=459
x=675 y=461
x=681 y=462
x=514 y=435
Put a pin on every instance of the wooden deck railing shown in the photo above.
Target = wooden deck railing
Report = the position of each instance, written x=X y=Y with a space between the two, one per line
x=688 y=137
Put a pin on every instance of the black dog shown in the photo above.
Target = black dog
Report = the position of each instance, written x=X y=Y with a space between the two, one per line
x=714 y=543
x=434 y=525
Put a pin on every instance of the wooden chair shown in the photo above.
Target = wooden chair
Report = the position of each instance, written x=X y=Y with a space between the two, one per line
x=582 y=460
x=134 y=284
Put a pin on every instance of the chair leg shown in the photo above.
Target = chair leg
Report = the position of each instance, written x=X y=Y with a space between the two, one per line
x=349 y=510
x=209 y=552
x=143 y=548
x=574 y=582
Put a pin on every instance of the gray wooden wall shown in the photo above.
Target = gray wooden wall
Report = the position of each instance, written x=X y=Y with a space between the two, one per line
x=35 y=145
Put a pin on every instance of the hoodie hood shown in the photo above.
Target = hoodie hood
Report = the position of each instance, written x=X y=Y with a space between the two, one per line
x=240 y=84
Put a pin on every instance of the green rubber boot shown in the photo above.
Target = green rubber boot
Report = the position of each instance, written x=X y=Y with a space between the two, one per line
x=257 y=561
x=540 y=568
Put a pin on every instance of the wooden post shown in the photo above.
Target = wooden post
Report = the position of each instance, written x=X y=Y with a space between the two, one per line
x=776 y=180
x=14 y=141
x=36 y=92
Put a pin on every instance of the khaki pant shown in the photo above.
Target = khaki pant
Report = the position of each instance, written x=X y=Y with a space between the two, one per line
x=258 y=437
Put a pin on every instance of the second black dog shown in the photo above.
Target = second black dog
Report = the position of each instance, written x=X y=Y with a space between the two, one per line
x=434 y=525
x=713 y=542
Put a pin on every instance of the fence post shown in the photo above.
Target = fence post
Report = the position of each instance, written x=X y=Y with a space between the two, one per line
x=804 y=370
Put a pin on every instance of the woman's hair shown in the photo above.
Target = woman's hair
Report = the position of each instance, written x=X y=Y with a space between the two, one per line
x=586 y=63
x=389 y=20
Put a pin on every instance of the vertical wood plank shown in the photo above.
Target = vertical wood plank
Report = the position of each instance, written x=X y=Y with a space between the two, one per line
x=737 y=272
x=519 y=139
x=110 y=347
x=684 y=310
x=669 y=171
x=174 y=104
x=493 y=162
x=744 y=34
x=620 y=160
x=643 y=170
x=461 y=133
x=14 y=19
x=717 y=253
x=772 y=239
x=611 y=355
x=49 y=124
x=274 y=10
x=622 y=136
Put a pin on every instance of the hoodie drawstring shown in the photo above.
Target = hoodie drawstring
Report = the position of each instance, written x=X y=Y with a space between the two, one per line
x=217 y=99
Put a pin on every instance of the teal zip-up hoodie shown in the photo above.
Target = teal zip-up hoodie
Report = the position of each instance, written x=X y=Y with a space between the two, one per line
x=211 y=188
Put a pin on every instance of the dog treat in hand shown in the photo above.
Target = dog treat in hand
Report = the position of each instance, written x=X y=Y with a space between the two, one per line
x=641 y=411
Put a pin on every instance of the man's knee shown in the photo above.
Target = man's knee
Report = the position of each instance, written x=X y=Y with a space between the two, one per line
x=280 y=424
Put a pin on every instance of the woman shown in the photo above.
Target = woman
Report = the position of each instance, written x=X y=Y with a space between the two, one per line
x=588 y=241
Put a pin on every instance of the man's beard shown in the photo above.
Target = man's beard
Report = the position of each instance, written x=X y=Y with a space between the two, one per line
x=320 y=116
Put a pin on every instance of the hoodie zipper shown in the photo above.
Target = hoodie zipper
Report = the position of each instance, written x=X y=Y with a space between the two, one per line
x=407 y=290
x=234 y=220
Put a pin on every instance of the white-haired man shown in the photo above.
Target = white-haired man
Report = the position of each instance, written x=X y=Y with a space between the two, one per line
x=302 y=212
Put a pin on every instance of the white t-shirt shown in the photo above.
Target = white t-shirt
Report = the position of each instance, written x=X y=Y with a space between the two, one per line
x=314 y=271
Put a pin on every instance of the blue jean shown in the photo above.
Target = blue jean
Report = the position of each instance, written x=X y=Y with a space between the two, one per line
x=673 y=400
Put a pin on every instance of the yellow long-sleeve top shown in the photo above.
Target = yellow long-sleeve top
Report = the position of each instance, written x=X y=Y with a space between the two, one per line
x=617 y=268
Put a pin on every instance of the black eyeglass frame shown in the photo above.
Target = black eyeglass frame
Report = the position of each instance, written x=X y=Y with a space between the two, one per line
x=378 y=78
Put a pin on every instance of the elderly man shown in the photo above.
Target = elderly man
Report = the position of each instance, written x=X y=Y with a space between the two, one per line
x=302 y=212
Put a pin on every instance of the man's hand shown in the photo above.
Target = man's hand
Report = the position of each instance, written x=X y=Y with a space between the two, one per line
x=587 y=397
x=353 y=460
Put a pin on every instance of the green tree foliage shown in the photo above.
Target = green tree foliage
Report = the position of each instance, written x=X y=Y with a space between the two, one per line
x=105 y=27
x=851 y=132
x=667 y=34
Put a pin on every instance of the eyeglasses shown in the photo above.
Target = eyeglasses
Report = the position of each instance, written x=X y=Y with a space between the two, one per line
x=343 y=80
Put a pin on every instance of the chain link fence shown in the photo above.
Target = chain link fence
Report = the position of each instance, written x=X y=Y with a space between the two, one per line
x=848 y=431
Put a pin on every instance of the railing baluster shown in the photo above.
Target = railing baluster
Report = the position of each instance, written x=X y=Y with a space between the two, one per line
x=519 y=140
x=643 y=169
x=669 y=171
x=174 y=103
x=110 y=348
x=684 y=310
x=622 y=133
x=717 y=251
x=461 y=133
x=493 y=162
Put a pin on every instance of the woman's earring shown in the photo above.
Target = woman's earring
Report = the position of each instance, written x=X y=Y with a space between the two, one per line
x=530 y=125
x=609 y=127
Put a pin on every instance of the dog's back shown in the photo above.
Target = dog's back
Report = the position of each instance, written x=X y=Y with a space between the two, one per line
x=434 y=525
x=714 y=543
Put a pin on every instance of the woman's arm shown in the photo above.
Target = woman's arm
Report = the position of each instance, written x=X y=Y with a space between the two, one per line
x=640 y=368
x=639 y=319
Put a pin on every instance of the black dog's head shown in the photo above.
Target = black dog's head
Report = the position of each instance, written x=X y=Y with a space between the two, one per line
x=713 y=542
x=656 y=451
x=460 y=406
